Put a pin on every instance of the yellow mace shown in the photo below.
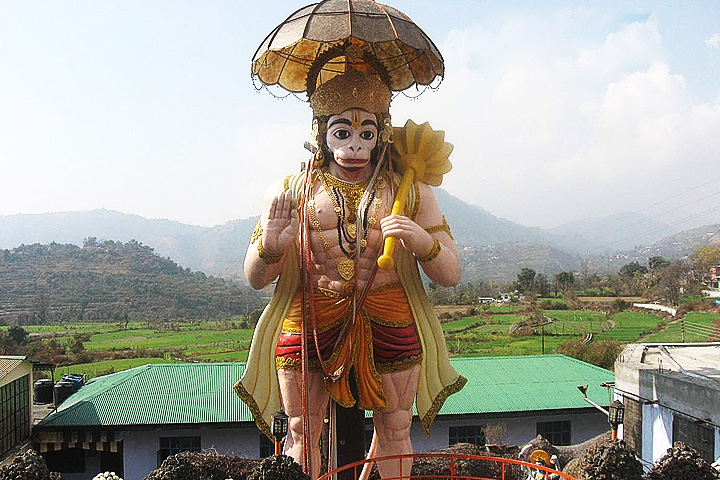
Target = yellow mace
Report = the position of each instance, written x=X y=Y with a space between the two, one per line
x=421 y=154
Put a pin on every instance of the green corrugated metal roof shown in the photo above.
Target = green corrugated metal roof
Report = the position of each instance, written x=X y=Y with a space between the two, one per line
x=176 y=393
x=526 y=383
x=202 y=392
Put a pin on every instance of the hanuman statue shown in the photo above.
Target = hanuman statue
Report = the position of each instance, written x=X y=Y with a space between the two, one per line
x=338 y=327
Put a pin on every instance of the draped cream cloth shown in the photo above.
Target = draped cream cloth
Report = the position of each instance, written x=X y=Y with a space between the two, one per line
x=259 y=387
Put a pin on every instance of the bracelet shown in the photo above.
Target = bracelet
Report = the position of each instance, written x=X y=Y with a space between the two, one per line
x=267 y=258
x=434 y=252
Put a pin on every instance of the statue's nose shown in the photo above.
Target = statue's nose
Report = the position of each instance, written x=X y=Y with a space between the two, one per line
x=355 y=144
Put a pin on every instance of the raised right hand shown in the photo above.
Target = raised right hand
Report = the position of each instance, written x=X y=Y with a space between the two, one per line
x=282 y=224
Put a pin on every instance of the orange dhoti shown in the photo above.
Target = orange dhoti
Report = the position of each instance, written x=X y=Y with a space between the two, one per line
x=382 y=339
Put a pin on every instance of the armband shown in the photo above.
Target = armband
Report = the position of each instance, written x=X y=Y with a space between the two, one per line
x=444 y=227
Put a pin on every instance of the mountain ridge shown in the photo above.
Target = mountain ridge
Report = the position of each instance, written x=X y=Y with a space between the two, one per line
x=491 y=247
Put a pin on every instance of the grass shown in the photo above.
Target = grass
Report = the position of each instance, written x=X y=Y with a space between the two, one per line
x=458 y=324
x=576 y=322
x=501 y=309
x=183 y=339
x=630 y=326
x=105 y=367
x=222 y=341
x=699 y=327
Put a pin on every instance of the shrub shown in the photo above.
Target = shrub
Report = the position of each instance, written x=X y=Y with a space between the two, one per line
x=619 y=304
x=602 y=353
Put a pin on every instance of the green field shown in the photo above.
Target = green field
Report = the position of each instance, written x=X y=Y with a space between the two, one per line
x=115 y=347
x=576 y=322
x=458 y=324
x=630 y=326
x=108 y=366
x=501 y=309
x=699 y=327
x=191 y=340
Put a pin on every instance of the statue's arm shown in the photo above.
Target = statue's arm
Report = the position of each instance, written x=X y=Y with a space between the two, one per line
x=444 y=266
x=280 y=223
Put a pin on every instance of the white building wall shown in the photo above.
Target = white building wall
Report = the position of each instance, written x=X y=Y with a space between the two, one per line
x=520 y=430
x=657 y=431
x=140 y=447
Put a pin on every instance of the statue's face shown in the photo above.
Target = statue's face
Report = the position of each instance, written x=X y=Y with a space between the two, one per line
x=351 y=136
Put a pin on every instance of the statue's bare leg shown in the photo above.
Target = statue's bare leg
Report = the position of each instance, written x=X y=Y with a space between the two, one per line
x=290 y=389
x=392 y=426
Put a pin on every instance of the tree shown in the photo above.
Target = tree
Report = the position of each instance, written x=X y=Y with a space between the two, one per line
x=41 y=308
x=254 y=317
x=657 y=263
x=542 y=285
x=76 y=345
x=526 y=280
x=565 y=279
x=90 y=242
x=633 y=269
x=705 y=257
x=668 y=285
x=17 y=334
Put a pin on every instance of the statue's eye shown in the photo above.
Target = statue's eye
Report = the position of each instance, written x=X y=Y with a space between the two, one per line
x=367 y=135
x=341 y=134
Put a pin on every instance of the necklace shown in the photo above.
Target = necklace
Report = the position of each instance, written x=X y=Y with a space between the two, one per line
x=346 y=267
x=341 y=193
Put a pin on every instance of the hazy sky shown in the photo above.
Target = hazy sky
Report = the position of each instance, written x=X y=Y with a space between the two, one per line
x=558 y=110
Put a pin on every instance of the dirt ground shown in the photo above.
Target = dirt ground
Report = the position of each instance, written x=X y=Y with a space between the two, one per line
x=612 y=299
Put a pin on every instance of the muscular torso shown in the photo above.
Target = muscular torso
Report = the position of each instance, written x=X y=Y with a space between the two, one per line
x=326 y=259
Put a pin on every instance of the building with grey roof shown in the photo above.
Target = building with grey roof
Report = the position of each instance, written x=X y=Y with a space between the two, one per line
x=671 y=393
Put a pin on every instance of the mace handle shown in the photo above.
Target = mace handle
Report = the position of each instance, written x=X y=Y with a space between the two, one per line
x=385 y=261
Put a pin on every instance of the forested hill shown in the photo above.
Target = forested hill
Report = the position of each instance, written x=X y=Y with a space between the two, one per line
x=110 y=280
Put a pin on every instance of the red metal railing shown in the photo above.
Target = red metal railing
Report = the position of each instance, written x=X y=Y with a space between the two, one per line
x=452 y=473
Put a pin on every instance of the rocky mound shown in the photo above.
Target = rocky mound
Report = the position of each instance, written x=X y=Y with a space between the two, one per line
x=281 y=467
x=610 y=461
x=204 y=466
x=682 y=462
x=28 y=466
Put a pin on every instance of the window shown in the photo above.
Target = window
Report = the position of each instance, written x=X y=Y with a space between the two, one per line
x=111 y=462
x=467 y=434
x=557 y=433
x=14 y=413
x=174 y=445
x=70 y=460
x=267 y=446
x=696 y=434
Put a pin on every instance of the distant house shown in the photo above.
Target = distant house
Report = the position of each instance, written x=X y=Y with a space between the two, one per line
x=511 y=297
x=671 y=393
x=130 y=421
x=486 y=300
x=714 y=277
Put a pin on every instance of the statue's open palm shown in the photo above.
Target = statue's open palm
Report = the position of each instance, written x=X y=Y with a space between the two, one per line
x=282 y=224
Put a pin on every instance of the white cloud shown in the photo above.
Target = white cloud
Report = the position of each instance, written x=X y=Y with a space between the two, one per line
x=549 y=129
x=713 y=41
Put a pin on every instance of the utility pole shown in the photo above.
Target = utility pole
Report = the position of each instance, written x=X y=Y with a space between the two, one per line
x=682 y=328
x=543 y=339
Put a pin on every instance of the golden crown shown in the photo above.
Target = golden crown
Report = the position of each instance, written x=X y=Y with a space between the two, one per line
x=352 y=89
